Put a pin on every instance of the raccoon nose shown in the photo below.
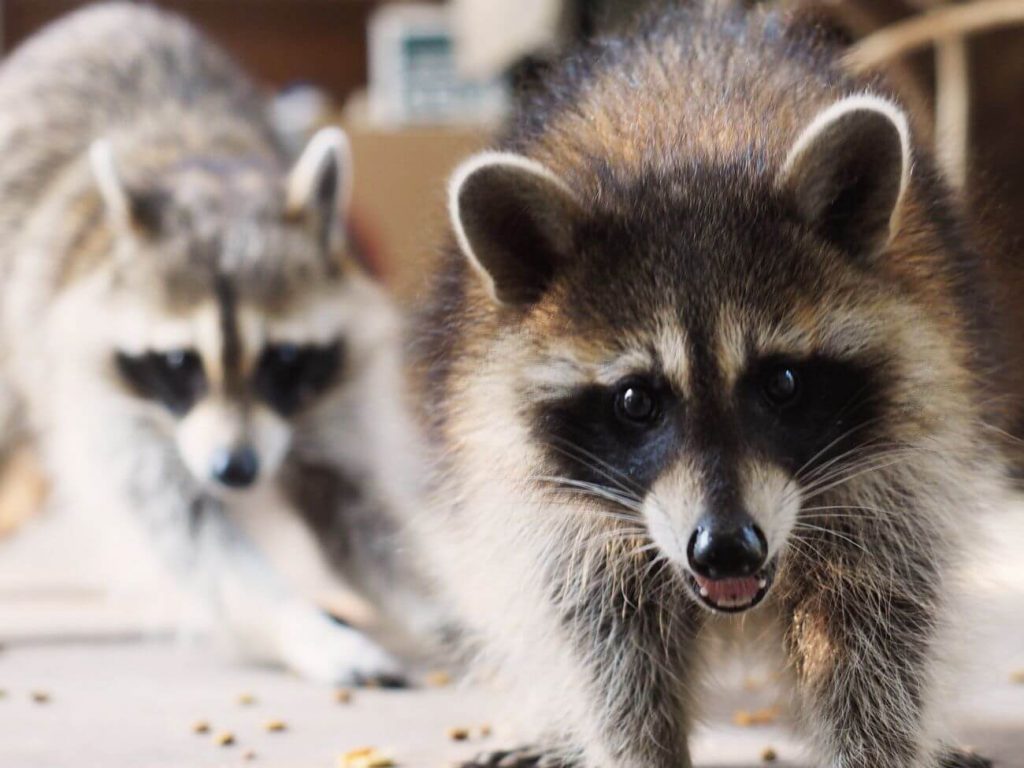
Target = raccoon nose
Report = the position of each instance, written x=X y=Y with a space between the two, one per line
x=237 y=467
x=727 y=551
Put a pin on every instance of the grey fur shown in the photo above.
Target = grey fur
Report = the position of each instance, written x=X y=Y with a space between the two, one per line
x=175 y=231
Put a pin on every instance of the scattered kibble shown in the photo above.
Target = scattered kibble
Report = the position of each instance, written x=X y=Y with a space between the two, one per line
x=246 y=699
x=1017 y=677
x=365 y=757
x=201 y=726
x=40 y=697
x=769 y=755
x=458 y=734
x=276 y=726
x=438 y=679
x=342 y=696
x=249 y=755
x=224 y=739
x=485 y=731
x=747 y=719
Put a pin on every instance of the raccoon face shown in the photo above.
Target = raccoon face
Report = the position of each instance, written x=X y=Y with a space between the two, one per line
x=706 y=356
x=234 y=316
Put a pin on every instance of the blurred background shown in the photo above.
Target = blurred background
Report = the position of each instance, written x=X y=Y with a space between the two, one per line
x=419 y=86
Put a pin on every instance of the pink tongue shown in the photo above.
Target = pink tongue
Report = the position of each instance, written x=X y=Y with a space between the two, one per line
x=729 y=591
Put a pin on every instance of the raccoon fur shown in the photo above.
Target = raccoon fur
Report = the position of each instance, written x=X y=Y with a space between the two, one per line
x=710 y=356
x=183 y=330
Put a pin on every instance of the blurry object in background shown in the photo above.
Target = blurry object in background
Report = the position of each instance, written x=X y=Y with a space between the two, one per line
x=414 y=79
x=399 y=198
x=495 y=34
x=298 y=111
x=23 y=489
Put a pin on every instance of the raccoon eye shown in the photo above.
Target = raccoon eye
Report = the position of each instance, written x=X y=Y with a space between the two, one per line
x=635 y=403
x=174 y=378
x=781 y=386
x=289 y=375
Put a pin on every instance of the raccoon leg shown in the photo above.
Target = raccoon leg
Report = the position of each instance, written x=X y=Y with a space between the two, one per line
x=862 y=644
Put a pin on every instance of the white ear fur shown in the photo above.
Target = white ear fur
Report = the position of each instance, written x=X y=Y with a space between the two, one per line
x=841 y=109
x=108 y=182
x=463 y=173
x=328 y=146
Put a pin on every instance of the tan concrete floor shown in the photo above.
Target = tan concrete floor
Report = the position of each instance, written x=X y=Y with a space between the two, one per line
x=124 y=694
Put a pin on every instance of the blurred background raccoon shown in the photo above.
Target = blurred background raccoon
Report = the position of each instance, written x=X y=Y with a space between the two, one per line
x=711 y=356
x=183 y=330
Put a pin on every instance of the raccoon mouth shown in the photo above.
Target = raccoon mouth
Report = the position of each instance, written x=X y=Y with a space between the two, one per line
x=732 y=595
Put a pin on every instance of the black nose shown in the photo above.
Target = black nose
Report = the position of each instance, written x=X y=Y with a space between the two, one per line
x=236 y=468
x=727 y=551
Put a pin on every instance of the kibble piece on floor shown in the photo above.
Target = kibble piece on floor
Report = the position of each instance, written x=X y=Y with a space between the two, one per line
x=342 y=696
x=485 y=731
x=1017 y=677
x=246 y=699
x=40 y=697
x=224 y=739
x=769 y=755
x=201 y=726
x=249 y=755
x=438 y=679
x=276 y=726
x=458 y=734
x=365 y=757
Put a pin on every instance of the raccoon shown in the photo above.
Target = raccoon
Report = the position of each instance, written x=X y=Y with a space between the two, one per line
x=184 y=331
x=710 y=356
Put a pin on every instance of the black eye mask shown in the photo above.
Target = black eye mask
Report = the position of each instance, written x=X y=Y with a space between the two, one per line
x=174 y=379
x=289 y=376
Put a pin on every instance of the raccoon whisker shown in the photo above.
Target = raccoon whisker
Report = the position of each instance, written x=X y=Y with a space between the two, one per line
x=614 y=475
x=831 y=444
x=593 y=489
x=877 y=463
x=805 y=527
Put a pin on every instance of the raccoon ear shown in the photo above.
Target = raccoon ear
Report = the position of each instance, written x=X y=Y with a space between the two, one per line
x=128 y=209
x=319 y=186
x=848 y=172
x=513 y=219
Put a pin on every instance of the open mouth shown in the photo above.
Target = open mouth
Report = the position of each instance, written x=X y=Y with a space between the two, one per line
x=732 y=595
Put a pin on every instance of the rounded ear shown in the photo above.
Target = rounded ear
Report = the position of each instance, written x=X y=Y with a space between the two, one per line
x=514 y=221
x=129 y=210
x=848 y=172
x=319 y=187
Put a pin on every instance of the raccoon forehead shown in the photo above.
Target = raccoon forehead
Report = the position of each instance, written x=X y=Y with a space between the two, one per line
x=558 y=363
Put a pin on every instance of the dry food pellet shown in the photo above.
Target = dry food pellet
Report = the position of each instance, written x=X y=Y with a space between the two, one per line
x=1017 y=677
x=201 y=726
x=365 y=757
x=485 y=731
x=342 y=696
x=248 y=755
x=458 y=734
x=769 y=755
x=40 y=697
x=224 y=739
x=438 y=679
x=246 y=699
x=276 y=726
x=746 y=719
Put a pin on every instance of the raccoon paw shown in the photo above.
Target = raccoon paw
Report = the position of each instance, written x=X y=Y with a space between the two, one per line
x=956 y=758
x=319 y=648
x=525 y=757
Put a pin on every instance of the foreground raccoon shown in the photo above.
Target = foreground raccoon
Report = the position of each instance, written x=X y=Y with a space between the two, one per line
x=711 y=357
x=181 y=325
